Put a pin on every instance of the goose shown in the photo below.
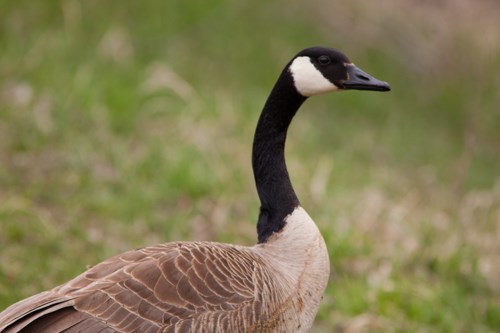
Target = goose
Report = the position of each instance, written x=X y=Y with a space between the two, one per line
x=273 y=286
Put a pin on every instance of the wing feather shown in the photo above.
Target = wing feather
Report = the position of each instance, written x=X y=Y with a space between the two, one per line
x=181 y=287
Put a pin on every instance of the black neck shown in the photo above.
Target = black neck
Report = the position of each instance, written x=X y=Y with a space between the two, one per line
x=277 y=197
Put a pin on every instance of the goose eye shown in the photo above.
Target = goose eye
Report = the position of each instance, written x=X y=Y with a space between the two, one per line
x=324 y=60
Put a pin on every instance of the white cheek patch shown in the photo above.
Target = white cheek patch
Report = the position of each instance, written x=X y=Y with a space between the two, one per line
x=308 y=79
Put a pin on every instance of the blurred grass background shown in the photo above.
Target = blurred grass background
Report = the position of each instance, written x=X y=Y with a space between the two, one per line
x=125 y=124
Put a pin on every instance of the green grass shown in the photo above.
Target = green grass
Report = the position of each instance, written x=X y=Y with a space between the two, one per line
x=128 y=124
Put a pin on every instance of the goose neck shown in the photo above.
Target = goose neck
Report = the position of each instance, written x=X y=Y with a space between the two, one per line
x=276 y=193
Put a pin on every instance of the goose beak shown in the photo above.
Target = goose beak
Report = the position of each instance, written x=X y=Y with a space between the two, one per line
x=359 y=80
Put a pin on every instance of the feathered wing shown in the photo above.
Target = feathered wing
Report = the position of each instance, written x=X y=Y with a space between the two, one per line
x=174 y=287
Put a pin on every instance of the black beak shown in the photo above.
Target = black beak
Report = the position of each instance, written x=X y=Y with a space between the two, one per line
x=359 y=80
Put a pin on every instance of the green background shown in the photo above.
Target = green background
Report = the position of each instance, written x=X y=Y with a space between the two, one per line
x=125 y=124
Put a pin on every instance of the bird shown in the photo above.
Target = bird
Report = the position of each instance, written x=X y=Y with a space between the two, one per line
x=275 y=285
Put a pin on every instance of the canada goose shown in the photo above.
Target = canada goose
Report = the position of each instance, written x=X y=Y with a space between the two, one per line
x=273 y=286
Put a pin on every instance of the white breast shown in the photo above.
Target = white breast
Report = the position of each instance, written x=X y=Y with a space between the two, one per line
x=298 y=253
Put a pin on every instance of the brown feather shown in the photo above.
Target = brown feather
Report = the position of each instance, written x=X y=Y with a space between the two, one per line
x=186 y=287
x=175 y=285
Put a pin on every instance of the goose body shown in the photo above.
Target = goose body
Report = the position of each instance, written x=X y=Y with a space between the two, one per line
x=273 y=286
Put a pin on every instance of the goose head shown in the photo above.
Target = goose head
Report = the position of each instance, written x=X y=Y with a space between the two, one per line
x=319 y=70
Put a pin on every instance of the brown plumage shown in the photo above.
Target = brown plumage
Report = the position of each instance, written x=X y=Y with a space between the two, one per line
x=174 y=287
x=204 y=287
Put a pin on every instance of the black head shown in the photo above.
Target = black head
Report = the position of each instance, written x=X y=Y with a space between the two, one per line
x=318 y=70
